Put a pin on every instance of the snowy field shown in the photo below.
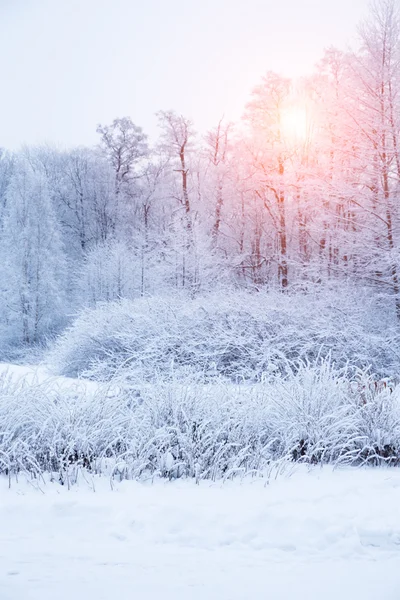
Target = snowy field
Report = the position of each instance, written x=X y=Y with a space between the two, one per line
x=319 y=535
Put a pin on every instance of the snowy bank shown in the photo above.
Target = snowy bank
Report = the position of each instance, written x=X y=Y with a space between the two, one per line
x=319 y=534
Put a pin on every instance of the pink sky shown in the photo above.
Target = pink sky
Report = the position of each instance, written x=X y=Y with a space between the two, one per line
x=67 y=65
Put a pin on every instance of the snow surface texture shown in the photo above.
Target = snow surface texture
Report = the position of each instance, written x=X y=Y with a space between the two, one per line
x=318 y=535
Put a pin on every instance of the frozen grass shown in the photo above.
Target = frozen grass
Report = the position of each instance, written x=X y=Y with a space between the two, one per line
x=316 y=416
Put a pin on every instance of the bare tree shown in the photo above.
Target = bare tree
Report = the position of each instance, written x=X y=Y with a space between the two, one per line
x=125 y=145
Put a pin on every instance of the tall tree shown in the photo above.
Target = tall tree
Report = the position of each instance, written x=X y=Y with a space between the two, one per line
x=270 y=156
x=177 y=141
x=125 y=145
x=376 y=71
x=32 y=259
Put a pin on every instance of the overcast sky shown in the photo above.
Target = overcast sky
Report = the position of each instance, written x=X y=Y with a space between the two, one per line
x=67 y=65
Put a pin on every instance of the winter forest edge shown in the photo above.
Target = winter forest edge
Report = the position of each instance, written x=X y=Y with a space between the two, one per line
x=202 y=274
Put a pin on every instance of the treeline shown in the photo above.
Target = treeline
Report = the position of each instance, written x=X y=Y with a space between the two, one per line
x=302 y=195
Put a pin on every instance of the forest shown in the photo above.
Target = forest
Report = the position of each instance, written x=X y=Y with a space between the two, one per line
x=294 y=208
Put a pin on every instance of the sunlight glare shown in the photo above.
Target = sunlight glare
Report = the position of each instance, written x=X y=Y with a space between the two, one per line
x=294 y=124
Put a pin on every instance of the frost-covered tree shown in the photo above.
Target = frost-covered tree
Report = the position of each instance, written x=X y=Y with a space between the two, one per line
x=177 y=140
x=269 y=155
x=377 y=123
x=33 y=263
x=6 y=170
x=109 y=272
x=125 y=146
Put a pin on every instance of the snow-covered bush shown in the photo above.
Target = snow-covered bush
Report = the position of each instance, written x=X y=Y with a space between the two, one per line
x=315 y=415
x=203 y=432
x=378 y=422
x=312 y=415
x=237 y=337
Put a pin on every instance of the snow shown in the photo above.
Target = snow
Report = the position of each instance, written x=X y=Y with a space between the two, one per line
x=37 y=375
x=321 y=534
x=316 y=535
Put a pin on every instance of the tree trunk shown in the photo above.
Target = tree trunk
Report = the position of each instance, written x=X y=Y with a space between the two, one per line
x=282 y=235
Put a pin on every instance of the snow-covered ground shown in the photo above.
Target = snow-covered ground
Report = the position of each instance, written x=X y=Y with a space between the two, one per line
x=321 y=535
x=37 y=375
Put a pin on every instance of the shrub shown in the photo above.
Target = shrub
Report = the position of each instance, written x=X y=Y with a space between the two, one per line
x=239 y=338
x=313 y=415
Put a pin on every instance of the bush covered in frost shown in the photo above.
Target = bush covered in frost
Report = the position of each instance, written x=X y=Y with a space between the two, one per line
x=314 y=415
x=242 y=337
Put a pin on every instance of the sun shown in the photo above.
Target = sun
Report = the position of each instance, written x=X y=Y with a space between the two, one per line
x=295 y=126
